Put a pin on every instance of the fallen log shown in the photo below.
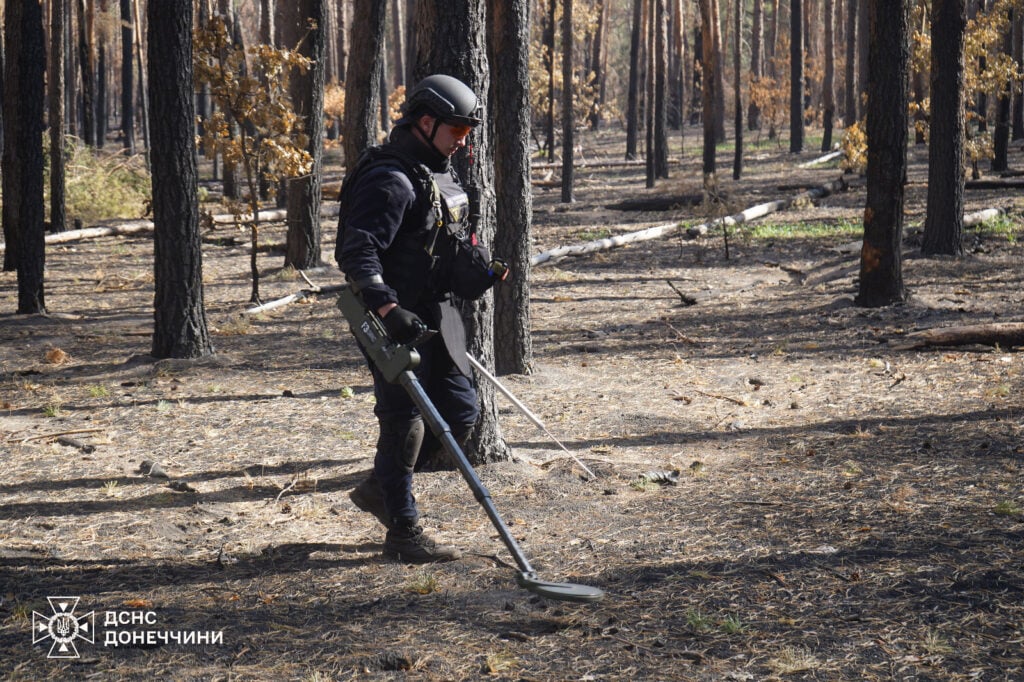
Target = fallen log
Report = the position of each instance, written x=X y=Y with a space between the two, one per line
x=821 y=159
x=658 y=203
x=139 y=226
x=659 y=231
x=1002 y=334
x=994 y=184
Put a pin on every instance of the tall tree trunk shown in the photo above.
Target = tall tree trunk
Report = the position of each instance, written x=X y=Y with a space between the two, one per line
x=143 y=83
x=649 y=93
x=398 y=45
x=718 y=72
x=302 y=247
x=944 y=221
x=362 y=80
x=509 y=30
x=708 y=94
x=635 y=84
x=549 y=44
x=676 y=67
x=87 y=63
x=461 y=51
x=58 y=204
x=756 y=61
x=598 y=58
x=828 y=88
x=1017 y=127
x=863 y=49
x=660 y=149
x=852 y=95
x=881 y=268
x=127 y=77
x=737 y=159
x=24 y=99
x=1001 y=135
x=180 y=329
x=101 y=84
x=796 y=77
x=568 y=119
x=8 y=129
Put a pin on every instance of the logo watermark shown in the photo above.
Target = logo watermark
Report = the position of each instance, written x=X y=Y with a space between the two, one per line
x=63 y=627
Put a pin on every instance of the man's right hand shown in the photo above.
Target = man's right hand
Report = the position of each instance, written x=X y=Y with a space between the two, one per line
x=403 y=326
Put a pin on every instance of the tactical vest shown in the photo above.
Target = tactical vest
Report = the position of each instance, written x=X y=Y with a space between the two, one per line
x=418 y=264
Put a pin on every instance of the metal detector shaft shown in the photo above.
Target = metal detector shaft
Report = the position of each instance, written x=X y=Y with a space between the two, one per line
x=525 y=410
x=443 y=432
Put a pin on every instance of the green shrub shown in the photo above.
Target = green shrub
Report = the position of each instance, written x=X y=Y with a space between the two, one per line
x=100 y=184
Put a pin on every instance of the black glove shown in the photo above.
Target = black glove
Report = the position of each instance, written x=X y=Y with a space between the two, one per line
x=403 y=326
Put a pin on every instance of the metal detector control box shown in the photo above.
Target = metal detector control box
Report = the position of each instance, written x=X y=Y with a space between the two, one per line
x=391 y=358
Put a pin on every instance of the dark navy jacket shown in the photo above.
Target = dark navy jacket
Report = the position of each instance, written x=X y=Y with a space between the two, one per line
x=386 y=221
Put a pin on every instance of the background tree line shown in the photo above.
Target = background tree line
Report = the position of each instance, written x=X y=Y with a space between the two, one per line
x=124 y=73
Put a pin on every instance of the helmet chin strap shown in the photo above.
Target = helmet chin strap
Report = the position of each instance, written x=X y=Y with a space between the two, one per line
x=433 y=131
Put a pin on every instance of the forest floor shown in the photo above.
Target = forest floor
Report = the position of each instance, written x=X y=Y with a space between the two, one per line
x=781 y=493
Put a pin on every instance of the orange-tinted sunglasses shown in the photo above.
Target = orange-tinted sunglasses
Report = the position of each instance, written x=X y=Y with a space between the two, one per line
x=459 y=130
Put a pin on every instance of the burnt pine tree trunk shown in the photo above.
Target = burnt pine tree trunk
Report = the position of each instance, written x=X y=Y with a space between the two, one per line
x=1001 y=134
x=851 y=95
x=718 y=72
x=362 y=80
x=549 y=44
x=863 y=40
x=828 y=87
x=180 y=329
x=944 y=220
x=598 y=62
x=649 y=94
x=127 y=76
x=756 y=61
x=881 y=267
x=8 y=162
x=58 y=203
x=101 y=86
x=87 y=64
x=302 y=246
x=660 y=149
x=676 y=67
x=509 y=29
x=568 y=120
x=737 y=159
x=24 y=80
x=796 y=77
x=633 y=93
x=707 y=93
x=461 y=51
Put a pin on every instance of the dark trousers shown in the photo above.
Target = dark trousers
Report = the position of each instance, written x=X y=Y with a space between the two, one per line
x=402 y=439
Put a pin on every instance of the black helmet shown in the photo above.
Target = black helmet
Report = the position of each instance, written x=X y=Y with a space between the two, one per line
x=447 y=99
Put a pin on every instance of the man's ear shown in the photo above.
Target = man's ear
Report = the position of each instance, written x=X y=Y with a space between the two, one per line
x=426 y=124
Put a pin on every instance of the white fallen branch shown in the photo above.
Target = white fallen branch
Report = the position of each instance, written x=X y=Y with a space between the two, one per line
x=329 y=210
x=136 y=226
x=821 y=159
x=982 y=216
x=658 y=231
x=293 y=298
x=130 y=227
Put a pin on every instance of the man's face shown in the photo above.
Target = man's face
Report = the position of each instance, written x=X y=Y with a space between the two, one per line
x=449 y=138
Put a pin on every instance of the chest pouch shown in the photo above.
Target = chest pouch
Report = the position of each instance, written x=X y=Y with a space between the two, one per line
x=461 y=263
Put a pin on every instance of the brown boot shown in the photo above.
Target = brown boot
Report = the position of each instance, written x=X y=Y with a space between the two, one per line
x=368 y=496
x=407 y=542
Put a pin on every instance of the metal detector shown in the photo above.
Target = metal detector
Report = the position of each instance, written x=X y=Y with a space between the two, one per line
x=396 y=362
